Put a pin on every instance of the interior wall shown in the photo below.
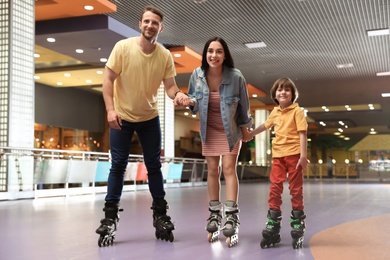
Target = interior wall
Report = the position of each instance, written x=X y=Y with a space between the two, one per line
x=184 y=125
x=69 y=108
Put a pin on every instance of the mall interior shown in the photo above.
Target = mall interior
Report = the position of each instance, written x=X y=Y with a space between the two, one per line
x=54 y=136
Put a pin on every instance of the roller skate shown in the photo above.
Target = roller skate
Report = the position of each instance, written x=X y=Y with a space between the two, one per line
x=109 y=224
x=271 y=231
x=232 y=224
x=214 y=221
x=161 y=221
x=298 y=228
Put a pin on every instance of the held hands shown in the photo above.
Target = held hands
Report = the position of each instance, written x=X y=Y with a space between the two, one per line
x=246 y=136
x=114 y=120
x=182 y=99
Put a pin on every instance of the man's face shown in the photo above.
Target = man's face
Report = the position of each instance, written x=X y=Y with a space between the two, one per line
x=150 y=25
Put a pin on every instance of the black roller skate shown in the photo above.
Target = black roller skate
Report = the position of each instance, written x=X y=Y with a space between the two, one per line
x=214 y=221
x=109 y=224
x=271 y=232
x=232 y=223
x=161 y=221
x=298 y=228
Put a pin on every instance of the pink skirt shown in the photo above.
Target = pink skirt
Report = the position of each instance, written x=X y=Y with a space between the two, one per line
x=216 y=141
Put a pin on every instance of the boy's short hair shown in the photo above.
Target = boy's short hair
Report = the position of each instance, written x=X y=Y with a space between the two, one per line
x=285 y=82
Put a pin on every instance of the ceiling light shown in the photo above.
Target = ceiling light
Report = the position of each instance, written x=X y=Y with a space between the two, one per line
x=340 y=130
x=67 y=75
x=177 y=55
x=50 y=39
x=346 y=65
x=100 y=72
x=103 y=59
x=255 y=45
x=254 y=95
x=36 y=55
x=88 y=81
x=88 y=7
x=79 y=50
x=59 y=83
x=378 y=32
x=385 y=94
x=386 y=73
x=37 y=77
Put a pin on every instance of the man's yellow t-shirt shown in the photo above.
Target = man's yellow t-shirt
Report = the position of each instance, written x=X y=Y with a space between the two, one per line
x=139 y=77
x=287 y=124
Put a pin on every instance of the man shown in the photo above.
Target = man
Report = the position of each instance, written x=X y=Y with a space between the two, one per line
x=132 y=77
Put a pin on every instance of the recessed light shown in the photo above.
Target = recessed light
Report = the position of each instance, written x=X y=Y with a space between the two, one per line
x=88 y=81
x=36 y=55
x=37 y=77
x=50 y=39
x=378 y=32
x=385 y=73
x=346 y=65
x=103 y=59
x=59 y=83
x=79 y=50
x=67 y=75
x=253 y=45
x=100 y=72
x=385 y=94
x=88 y=7
x=177 y=55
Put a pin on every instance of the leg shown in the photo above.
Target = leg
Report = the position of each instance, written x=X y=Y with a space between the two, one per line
x=229 y=165
x=149 y=134
x=277 y=178
x=119 y=146
x=295 y=179
x=213 y=177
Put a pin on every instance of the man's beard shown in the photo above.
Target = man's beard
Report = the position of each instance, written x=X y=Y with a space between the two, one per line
x=149 y=38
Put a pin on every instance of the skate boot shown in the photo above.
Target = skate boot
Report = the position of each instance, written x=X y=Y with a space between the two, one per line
x=214 y=221
x=161 y=221
x=109 y=224
x=297 y=223
x=232 y=224
x=271 y=231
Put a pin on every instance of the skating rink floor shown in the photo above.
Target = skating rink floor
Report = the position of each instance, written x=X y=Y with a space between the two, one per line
x=345 y=220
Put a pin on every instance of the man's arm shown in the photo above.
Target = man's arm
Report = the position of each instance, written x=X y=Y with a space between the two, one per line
x=173 y=92
x=108 y=95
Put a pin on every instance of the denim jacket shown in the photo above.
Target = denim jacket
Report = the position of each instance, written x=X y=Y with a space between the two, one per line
x=235 y=110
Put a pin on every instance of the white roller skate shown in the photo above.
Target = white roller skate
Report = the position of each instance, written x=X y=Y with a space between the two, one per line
x=232 y=223
x=214 y=221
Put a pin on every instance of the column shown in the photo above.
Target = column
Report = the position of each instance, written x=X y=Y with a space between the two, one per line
x=166 y=111
x=262 y=140
x=16 y=90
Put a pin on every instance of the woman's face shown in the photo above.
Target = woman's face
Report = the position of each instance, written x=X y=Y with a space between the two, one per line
x=215 y=54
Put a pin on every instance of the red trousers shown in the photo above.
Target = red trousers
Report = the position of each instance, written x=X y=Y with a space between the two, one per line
x=281 y=168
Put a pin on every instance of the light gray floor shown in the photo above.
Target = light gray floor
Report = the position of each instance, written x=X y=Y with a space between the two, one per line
x=64 y=228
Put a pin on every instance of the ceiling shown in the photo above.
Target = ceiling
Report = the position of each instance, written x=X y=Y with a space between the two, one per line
x=305 y=41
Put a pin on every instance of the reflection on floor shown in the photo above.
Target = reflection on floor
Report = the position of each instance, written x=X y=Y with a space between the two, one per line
x=344 y=221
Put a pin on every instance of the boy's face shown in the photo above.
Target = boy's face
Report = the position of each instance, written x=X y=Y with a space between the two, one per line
x=284 y=96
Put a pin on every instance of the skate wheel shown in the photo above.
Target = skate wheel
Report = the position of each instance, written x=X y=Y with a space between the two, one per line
x=210 y=237
x=100 y=241
x=171 y=237
x=262 y=244
x=228 y=239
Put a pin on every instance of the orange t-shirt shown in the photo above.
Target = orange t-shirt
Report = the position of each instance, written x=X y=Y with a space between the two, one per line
x=287 y=124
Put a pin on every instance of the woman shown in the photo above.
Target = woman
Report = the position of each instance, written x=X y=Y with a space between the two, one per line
x=218 y=91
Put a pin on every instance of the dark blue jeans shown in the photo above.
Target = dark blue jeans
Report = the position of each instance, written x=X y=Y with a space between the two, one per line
x=149 y=134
